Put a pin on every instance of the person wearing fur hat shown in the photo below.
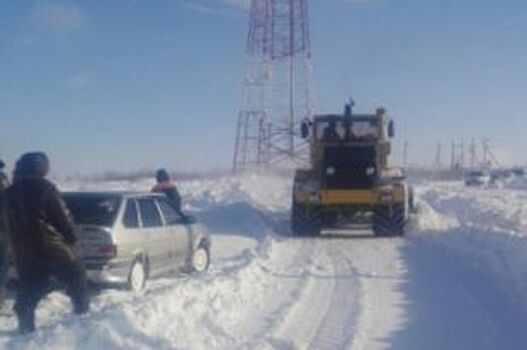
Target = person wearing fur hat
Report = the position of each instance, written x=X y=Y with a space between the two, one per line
x=42 y=237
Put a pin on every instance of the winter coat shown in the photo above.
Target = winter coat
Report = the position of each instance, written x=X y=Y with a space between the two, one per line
x=3 y=217
x=171 y=192
x=4 y=181
x=3 y=232
x=40 y=226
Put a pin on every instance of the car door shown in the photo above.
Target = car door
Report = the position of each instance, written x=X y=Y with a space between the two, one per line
x=155 y=234
x=179 y=232
x=132 y=241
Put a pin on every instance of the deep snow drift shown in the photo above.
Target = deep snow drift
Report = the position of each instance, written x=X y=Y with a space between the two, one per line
x=456 y=281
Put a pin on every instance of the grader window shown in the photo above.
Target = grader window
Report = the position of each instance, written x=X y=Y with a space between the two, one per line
x=364 y=129
x=337 y=130
x=330 y=131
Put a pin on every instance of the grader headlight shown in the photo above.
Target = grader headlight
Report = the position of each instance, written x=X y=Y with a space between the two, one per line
x=370 y=171
x=308 y=191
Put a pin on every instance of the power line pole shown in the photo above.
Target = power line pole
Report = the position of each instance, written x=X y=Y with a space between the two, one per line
x=462 y=155
x=405 y=154
x=485 y=146
x=437 y=164
x=453 y=155
x=473 y=154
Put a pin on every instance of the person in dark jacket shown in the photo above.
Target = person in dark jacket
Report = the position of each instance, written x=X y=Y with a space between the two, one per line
x=166 y=186
x=330 y=133
x=4 y=181
x=4 y=262
x=42 y=236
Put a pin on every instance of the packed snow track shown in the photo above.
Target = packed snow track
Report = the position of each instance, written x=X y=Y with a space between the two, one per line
x=457 y=280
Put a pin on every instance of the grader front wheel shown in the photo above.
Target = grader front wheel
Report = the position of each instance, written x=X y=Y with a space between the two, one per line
x=388 y=221
x=305 y=221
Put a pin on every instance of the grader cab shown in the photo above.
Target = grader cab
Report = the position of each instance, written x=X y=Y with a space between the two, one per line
x=349 y=183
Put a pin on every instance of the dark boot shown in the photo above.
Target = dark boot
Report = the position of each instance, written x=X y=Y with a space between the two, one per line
x=72 y=274
x=81 y=307
x=26 y=326
x=26 y=319
x=32 y=288
x=79 y=295
x=3 y=293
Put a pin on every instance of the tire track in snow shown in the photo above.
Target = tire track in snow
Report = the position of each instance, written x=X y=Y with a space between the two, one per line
x=291 y=275
x=338 y=324
x=298 y=324
x=323 y=315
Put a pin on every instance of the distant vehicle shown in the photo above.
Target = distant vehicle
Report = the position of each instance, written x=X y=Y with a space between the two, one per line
x=518 y=171
x=126 y=238
x=477 y=178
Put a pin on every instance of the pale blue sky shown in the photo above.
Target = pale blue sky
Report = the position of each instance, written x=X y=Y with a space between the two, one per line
x=128 y=84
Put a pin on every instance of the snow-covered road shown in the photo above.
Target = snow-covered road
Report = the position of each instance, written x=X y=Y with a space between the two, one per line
x=456 y=281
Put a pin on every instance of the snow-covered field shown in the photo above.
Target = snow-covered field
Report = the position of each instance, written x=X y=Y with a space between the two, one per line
x=457 y=280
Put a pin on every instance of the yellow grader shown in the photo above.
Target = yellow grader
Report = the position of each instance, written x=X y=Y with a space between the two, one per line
x=349 y=184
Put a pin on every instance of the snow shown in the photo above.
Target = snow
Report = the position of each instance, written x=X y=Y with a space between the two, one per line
x=457 y=280
x=491 y=230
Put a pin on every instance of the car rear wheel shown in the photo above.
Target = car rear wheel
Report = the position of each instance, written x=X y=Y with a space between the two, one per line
x=200 y=260
x=137 y=276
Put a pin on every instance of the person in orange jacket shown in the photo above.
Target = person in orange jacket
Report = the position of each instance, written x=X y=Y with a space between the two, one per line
x=165 y=185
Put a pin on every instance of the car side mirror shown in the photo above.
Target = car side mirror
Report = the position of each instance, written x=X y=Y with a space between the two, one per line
x=391 y=129
x=187 y=220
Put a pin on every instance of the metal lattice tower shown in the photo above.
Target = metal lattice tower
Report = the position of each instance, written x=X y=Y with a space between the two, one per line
x=277 y=86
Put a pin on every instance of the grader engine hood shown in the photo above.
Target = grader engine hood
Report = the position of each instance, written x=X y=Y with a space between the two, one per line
x=349 y=167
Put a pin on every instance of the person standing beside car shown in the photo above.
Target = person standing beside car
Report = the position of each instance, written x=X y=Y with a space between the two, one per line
x=165 y=185
x=42 y=236
x=4 y=261
x=4 y=180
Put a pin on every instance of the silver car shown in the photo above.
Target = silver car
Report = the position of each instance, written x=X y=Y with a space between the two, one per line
x=126 y=238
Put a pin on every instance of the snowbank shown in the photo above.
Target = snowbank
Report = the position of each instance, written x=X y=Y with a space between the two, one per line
x=487 y=226
x=518 y=183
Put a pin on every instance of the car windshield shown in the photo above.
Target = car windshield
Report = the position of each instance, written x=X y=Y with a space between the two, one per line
x=93 y=209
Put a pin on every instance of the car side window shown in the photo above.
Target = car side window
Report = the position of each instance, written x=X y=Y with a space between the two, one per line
x=131 y=219
x=150 y=215
x=169 y=213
